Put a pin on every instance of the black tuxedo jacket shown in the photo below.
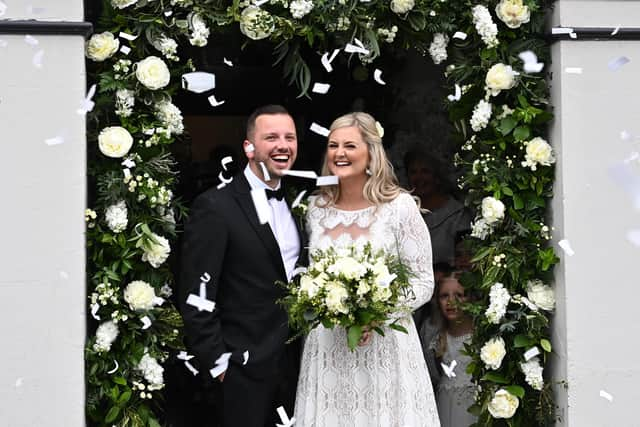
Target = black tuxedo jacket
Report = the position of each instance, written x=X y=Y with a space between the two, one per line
x=224 y=238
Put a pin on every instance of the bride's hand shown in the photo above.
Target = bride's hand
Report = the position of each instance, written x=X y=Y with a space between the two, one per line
x=367 y=335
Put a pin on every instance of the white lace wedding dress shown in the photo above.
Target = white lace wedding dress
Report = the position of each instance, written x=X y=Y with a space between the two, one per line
x=386 y=383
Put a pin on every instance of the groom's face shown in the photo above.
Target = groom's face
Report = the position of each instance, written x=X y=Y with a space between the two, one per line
x=275 y=143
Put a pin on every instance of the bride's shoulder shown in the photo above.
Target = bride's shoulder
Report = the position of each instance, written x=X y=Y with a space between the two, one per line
x=405 y=201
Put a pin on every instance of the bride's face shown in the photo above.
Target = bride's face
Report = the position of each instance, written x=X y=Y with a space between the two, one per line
x=347 y=153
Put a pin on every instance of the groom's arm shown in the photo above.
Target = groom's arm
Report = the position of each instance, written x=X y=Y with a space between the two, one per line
x=204 y=247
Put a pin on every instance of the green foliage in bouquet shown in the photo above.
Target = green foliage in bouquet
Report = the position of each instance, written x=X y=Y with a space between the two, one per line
x=354 y=288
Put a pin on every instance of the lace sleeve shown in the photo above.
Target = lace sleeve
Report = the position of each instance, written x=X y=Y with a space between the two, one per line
x=414 y=244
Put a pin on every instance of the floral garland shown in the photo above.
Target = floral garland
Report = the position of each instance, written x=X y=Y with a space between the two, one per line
x=499 y=108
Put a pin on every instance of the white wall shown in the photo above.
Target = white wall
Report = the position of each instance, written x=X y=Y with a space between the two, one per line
x=597 y=325
x=42 y=199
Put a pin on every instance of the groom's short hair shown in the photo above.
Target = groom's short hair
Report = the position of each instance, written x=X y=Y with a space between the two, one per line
x=270 y=109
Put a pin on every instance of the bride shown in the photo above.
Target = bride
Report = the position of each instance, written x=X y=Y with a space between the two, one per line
x=384 y=382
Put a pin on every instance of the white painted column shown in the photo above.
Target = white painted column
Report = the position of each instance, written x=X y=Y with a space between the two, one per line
x=42 y=199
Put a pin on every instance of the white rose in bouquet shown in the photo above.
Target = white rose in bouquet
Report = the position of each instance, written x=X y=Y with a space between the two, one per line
x=156 y=251
x=115 y=141
x=492 y=210
x=116 y=217
x=503 y=404
x=348 y=267
x=541 y=295
x=309 y=286
x=153 y=73
x=102 y=46
x=492 y=353
x=336 y=297
x=105 y=336
x=121 y=4
x=533 y=373
x=140 y=295
x=538 y=152
x=402 y=6
x=256 y=23
x=500 y=77
x=381 y=293
x=513 y=13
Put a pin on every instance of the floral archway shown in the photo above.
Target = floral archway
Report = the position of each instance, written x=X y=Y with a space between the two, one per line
x=493 y=55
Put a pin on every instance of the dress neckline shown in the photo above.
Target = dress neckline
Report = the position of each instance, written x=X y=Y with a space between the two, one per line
x=352 y=210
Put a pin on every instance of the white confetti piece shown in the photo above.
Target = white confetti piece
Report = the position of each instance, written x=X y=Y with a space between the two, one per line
x=214 y=102
x=125 y=49
x=198 y=81
x=64 y=275
x=146 y=322
x=566 y=247
x=300 y=174
x=37 y=59
x=634 y=237
x=320 y=130
x=573 y=70
x=298 y=270
x=625 y=136
x=245 y=357
x=460 y=35
x=321 y=88
x=286 y=422
x=222 y=363
x=606 y=395
x=56 y=140
x=19 y=382
x=221 y=185
x=127 y=173
x=3 y=43
x=457 y=95
x=260 y=2
x=573 y=35
x=115 y=368
x=33 y=10
x=352 y=48
x=227 y=62
x=128 y=163
x=87 y=103
x=183 y=355
x=531 y=353
x=615 y=30
x=3 y=8
x=191 y=368
x=225 y=161
x=561 y=30
x=616 y=63
x=298 y=199
x=224 y=180
x=31 y=41
x=326 y=180
x=531 y=64
x=168 y=13
x=377 y=76
x=263 y=209
x=202 y=304
x=94 y=311
x=448 y=370
x=326 y=60
x=127 y=36
x=632 y=157
x=265 y=172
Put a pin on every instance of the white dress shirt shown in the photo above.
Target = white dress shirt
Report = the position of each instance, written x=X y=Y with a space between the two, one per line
x=281 y=222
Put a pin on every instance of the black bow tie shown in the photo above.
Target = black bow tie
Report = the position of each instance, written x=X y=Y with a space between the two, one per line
x=275 y=194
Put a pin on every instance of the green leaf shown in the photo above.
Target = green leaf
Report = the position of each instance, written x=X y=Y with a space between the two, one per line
x=523 y=101
x=522 y=341
x=518 y=203
x=417 y=21
x=398 y=327
x=378 y=330
x=516 y=390
x=112 y=414
x=495 y=377
x=124 y=397
x=507 y=124
x=353 y=336
x=546 y=345
x=119 y=380
x=153 y=422
x=521 y=133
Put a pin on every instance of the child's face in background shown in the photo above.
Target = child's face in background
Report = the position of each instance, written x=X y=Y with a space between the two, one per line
x=450 y=295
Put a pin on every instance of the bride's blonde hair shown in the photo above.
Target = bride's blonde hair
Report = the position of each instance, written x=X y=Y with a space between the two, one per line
x=382 y=184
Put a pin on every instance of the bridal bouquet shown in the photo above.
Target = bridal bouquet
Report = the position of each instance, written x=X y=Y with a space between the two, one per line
x=355 y=288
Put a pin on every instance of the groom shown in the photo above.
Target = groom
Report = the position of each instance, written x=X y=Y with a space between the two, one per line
x=239 y=260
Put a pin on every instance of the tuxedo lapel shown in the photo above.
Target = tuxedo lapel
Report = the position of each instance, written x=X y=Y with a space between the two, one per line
x=242 y=194
x=302 y=234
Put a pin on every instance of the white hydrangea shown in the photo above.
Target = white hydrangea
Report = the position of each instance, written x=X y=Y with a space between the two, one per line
x=105 y=336
x=492 y=210
x=121 y=4
x=485 y=26
x=152 y=371
x=116 y=217
x=141 y=296
x=168 y=47
x=402 y=6
x=498 y=301
x=199 y=31
x=481 y=115
x=125 y=101
x=299 y=8
x=492 y=353
x=170 y=116
x=336 y=297
x=256 y=23
x=156 y=250
x=541 y=295
x=533 y=373
x=538 y=152
x=480 y=229
x=438 y=48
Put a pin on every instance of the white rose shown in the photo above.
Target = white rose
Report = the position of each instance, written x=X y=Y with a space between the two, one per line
x=153 y=73
x=140 y=295
x=541 y=295
x=500 y=77
x=381 y=293
x=121 y=4
x=336 y=297
x=402 y=6
x=348 y=267
x=538 y=152
x=115 y=141
x=513 y=13
x=116 y=217
x=256 y=23
x=102 y=46
x=156 y=250
x=492 y=353
x=533 y=373
x=503 y=404
x=492 y=210
x=363 y=288
x=309 y=286
x=105 y=336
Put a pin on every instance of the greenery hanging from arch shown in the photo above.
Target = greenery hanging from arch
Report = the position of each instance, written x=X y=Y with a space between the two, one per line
x=499 y=107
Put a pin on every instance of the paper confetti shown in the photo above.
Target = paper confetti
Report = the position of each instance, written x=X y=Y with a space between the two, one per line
x=298 y=199
x=125 y=49
x=94 y=310
x=56 y=140
x=298 y=270
x=457 y=95
x=320 y=130
x=227 y=62
x=573 y=70
x=64 y=275
x=202 y=304
x=326 y=180
x=225 y=161
x=222 y=363
x=30 y=40
x=356 y=48
x=263 y=209
x=606 y=395
x=377 y=76
x=460 y=35
x=37 y=59
x=146 y=322
x=198 y=81
x=326 y=60
x=19 y=382
x=259 y=3
x=265 y=172
x=321 y=88
x=33 y=10
x=625 y=136
x=531 y=353
x=531 y=64
x=561 y=30
x=245 y=357
x=214 y=102
x=3 y=8
x=224 y=180
x=615 y=30
x=190 y=367
x=127 y=36
x=286 y=422
x=300 y=174
x=168 y=13
x=566 y=247
x=448 y=370
x=616 y=63
x=3 y=43
x=87 y=103
x=115 y=368
x=634 y=237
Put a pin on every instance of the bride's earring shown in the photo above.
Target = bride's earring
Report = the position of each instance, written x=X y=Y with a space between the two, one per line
x=368 y=171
